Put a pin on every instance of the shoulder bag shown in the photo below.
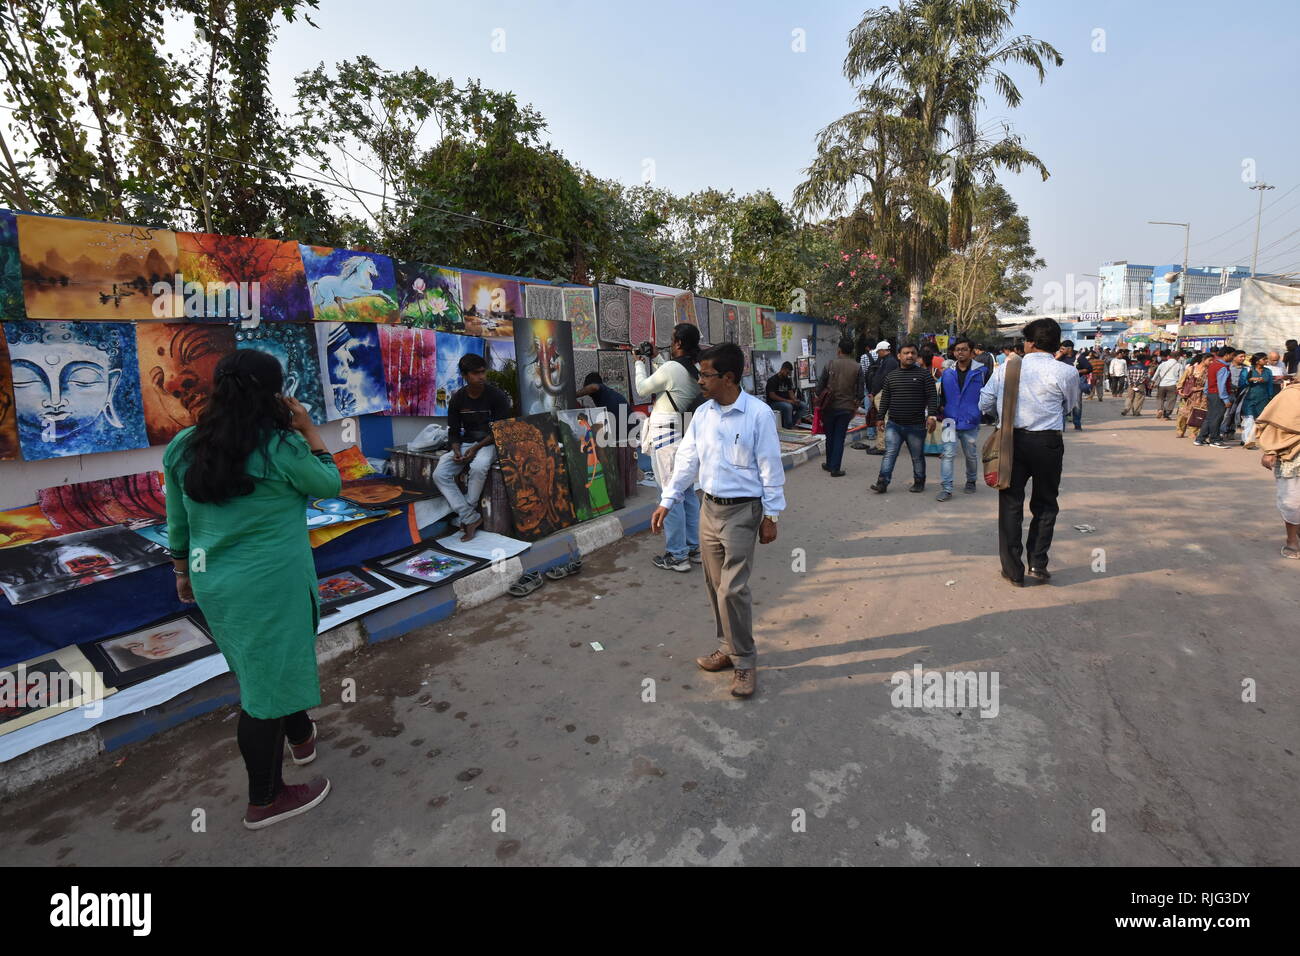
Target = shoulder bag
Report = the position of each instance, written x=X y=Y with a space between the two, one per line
x=999 y=447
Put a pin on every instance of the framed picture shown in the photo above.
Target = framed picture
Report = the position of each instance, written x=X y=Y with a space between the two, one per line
x=146 y=652
x=44 y=686
x=425 y=564
x=348 y=585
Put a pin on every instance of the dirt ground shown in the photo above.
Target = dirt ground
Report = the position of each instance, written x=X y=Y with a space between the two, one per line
x=502 y=736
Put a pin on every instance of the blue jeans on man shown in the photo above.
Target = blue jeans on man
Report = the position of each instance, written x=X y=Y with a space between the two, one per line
x=682 y=527
x=791 y=412
x=836 y=424
x=895 y=435
x=969 y=440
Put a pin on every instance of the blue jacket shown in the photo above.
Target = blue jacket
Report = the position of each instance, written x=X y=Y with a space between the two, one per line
x=962 y=405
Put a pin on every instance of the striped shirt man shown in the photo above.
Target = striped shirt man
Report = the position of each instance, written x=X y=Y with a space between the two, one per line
x=908 y=396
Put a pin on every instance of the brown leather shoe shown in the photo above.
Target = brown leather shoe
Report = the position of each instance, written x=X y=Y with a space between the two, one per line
x=742 y=682
x=717 y=661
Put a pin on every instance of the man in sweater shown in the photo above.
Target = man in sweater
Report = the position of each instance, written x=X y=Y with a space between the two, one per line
x=910 y=403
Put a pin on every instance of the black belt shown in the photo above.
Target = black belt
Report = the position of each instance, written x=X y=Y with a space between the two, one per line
x=1038 y=431
x=729 y=501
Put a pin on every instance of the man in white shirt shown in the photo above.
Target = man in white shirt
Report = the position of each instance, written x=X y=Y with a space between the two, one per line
x=1118 y=372
x=1165 y=379
x=732 y=448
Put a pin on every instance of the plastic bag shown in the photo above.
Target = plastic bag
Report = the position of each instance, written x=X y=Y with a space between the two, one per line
x=430 y=437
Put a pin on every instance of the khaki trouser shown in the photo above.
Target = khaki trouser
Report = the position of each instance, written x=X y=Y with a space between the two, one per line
x=1136 y=399
x=880 y=424
x=728 y=535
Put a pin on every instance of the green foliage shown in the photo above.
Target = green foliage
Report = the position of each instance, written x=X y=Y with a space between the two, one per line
x=860 y=289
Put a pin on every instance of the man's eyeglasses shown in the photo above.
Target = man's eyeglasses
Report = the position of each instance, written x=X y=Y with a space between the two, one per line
x=710 y=375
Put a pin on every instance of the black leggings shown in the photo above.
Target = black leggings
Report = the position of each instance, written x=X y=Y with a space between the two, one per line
x=261 y=741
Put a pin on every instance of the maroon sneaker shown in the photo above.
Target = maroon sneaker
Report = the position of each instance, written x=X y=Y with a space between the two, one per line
x=292 y=800
x=305 y=752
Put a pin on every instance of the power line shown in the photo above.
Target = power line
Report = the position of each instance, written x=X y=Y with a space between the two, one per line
x=1250 y=218
x=1220 y=257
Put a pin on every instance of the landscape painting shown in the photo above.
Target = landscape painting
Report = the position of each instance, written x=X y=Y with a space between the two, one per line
x=428 y=297
x=503 y=369
x=11 y=270
x=350 y=286
x=239 y=275
x=293 y=344
x=544 y=351
x=535 y=474
x=490 y=304
x=353 y=365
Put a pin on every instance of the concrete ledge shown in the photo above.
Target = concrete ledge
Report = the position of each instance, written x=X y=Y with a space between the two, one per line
x=206 y=697
x=487 y=584
x=340 y=641
x=50 y=760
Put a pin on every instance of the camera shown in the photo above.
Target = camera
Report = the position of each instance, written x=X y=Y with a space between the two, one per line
x=646 y=349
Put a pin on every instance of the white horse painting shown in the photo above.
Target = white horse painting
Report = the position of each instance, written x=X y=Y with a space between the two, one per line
x=355 y=280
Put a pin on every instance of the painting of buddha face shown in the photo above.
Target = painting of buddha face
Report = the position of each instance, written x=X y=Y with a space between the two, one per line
x=178 y=362
x=76 y=387
x=535 y=475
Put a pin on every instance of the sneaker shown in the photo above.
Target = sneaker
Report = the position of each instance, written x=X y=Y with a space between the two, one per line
x=875 y=451
x=880 y=487
x=1218 y=444
x=695 y=557
x=1199 y=442
x=943 y=496
x=837 y=474
x=305 y=752
x=292 y=800
x=970 y=488
x=669 y=563
x=917 y=487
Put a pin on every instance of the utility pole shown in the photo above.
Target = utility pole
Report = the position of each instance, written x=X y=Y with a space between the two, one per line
x=1254 y=259
x=1182 y=278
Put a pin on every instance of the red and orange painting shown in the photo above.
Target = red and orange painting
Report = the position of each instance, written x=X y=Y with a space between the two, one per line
x=410 y=359
x=177 y=362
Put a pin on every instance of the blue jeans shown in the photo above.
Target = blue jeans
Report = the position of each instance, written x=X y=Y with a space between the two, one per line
x=790 y=412
x=895 y=435
x=969 y=439
x=682 y=526
x=837 y=427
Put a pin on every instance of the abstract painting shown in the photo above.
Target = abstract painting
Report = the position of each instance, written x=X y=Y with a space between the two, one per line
x=580 y=312
x=344 y=587
x=46 y=686
x=19 y=526
x=327 y=512
x=383 y=491
x=240 y=278
x=545 y=358
x=74 y=269
x=69 y=561
x=684 y=309
x=503 y=370
x=427 y=565
x=717 y=323
x=451 y=348
x=146 y=652
x=614 y=371
x=11 y=271
x=641 y=321
x=350 y=286
x=410 y=369
x=9 y=450
x=351 y=463
x=177 y=365
x=665 y=320
x=490 y=303
x=615 y=305
x=544 y=302
x=765 y=327
x=428 y=297
x=585 y=361
x=293 y=344
x=76 y=387
x=535 y=474
x=86 y=505
x=589 y=478
x=353 y=364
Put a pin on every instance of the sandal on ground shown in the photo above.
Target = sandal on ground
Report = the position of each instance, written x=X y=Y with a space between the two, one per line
x=564 y=570
x=1292 y=553
x=526 y=585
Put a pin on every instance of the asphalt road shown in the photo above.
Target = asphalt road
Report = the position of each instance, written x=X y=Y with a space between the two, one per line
x=501 y=736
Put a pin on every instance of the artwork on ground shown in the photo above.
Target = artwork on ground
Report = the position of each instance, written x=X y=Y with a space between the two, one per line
x=353 y=364
x=580 y=312
x=19 y=526
x=717 y=322
x=293 y=344
x=410 y=369
x=665 y=320
x=544 y=302
x=177 y=365
x=344 y=587
x=11 y=272
x=106 y=501
x=544 y=351
x=46 y=686
x=614 y=371
x=326 y=512
x=352 y=463
x=765 y=365
x=146 y=652
x=684 y=309
x=589 y=476
x=585 y=361
x=428 y=296
x=383 y=491
x=350 y=286
x=75 y=560
x=73 y=269
x=76 y=387
x=427 y=565
x=503 y=369
x=9 y=449
x=641 y=321
x=765 y=327
x=614 y=307
x=451 y=348
x=241 y=278
x=536 y=478
x=490 y=303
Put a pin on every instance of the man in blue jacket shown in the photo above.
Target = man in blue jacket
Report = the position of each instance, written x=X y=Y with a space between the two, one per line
x=961 y=415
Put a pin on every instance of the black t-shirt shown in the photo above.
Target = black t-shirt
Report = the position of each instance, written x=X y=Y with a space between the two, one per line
x=778 y=383
x=615 y=402
x=469 y=419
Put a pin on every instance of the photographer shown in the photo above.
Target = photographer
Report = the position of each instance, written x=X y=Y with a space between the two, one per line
x=674 y=386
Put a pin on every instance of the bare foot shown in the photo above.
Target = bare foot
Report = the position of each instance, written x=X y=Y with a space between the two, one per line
x=471 y=529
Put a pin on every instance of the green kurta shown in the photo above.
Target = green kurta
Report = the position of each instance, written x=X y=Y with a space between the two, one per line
x=257 y=586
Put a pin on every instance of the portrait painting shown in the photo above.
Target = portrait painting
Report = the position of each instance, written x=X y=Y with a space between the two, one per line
x=9 y=449
x=76 y=387
x=293 y=345
x=765 y=365
x=177 y=364
x=614 y=307
x=46 y=686
x=146 y=652
x=535 y=474
x=427 y=565
x=353 y=366
x=806 y=372
x=503 y=368
x=383 y=491
x=544 y=353
x=241 y=278
x=410 y=358
x=428 y=297
x=580 y=312
x=346 y=586
x=451 y=348
x=76 y=269
x=54 y=565
x=544 y=302
x=490 y=303
x=665 y=315
x=584 y=433
x=85 y=505
x=11 y=270
x=349 y=286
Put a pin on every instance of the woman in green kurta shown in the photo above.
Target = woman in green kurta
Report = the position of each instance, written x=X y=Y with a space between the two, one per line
x=237 y=486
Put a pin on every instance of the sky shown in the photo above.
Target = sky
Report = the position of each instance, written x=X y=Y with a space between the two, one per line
x=1162 y=110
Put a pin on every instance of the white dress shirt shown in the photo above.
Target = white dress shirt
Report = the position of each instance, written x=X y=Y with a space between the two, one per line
x=1048 y=391
x=1118 y=367
x=734 y=451
x=1167 y=373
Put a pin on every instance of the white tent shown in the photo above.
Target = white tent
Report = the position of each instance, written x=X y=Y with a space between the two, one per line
x=1269 y=315
x=1224 y=302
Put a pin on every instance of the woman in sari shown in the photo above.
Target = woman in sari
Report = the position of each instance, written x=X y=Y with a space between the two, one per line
x=1257 y=392
x=1191 y=386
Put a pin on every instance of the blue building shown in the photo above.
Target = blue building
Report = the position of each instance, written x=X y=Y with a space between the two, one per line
x=1204 y=282
x=1125 y=287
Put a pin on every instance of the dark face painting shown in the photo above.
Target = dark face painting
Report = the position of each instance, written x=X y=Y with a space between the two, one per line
x=76 y=387
x=54 y=565
x=108 y=501
x=177 y=365
x=293 y=345
x=544 y=353
x=428 y=297
x=536 y=477
x=239 y=275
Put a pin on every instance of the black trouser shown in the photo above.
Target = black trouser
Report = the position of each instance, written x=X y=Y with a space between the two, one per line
x=1037 y=456
x=261 y=741
x=1213 y=419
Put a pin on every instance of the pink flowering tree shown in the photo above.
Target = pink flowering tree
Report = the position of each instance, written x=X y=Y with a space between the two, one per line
x=860 y=290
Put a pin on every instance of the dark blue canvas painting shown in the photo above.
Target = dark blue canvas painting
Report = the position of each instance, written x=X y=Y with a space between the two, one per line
x=354 y=369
